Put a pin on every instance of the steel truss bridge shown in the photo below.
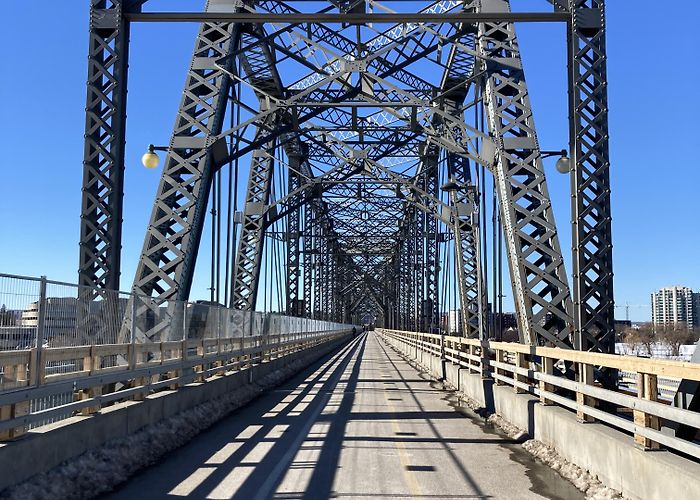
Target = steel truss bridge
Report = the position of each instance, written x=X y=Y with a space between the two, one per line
x=350 y=116
x=354 y=162
x=392 y=165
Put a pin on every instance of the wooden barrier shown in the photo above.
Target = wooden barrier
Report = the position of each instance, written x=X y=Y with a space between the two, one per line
x=538 y=371
x=133 y=371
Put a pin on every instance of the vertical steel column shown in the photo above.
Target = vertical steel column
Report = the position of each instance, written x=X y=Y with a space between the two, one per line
x=431 y=244
x=412 y=269
x=467 y=244
x=308 y=246
x=319 y=266
x=293 y=237
x=103 y=160
x=593 y=311
x=420 y=218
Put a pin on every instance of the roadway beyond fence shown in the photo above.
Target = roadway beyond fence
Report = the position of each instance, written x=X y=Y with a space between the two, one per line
x=363 y=424
x=615 y=436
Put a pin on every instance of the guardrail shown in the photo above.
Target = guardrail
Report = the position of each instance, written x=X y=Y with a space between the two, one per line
x=539 y=371
x=54 y=336
x=142 y=369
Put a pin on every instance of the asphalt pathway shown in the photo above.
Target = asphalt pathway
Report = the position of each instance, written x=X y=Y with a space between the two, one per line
x=361 y=424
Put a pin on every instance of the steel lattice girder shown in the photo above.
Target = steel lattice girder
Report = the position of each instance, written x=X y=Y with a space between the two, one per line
x=540 y=286
x=294 y=238
x=431 y=307
x=466 y=235
x=258 y=63
x=464 y=201
x=592 y=238
x=247 y=270
x=103 y=164
x=172 y=241
x=386 y=68
x=308 y=259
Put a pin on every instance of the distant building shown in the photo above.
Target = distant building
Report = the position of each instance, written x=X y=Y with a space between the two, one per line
x=78 y=320
x=675 y=305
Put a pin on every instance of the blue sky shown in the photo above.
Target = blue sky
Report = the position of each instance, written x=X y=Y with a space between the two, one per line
x=655 y=175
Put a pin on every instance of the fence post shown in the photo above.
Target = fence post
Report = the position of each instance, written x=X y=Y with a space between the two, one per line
x=647 y=388
x=547 y=368
x=470 y=359
x=219 y=349
x=520 y=363
x=91 y=363
x=41 y=319
x=485 y=362
x=132 y=337
x=443 y=358
x=585 y=373
x=134 y=361
x=500 y=358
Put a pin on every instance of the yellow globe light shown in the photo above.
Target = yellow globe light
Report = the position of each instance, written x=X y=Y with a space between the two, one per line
x=150 y=158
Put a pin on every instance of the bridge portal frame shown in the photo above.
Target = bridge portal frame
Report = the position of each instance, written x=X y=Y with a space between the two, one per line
x=104 y=160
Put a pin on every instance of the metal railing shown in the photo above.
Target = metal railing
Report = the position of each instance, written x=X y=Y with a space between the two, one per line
x=540 y=371
x=67 y=349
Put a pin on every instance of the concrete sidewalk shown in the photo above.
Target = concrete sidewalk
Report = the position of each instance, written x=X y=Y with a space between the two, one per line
x=363 y=424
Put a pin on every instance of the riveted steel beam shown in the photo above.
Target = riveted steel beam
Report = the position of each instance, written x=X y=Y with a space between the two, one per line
x=540 y=285
x=593 y=309
x=103 y=160
x=170 y=249
x=366 y=18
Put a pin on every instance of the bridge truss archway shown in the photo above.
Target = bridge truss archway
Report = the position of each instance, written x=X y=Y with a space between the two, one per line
x=352 y=115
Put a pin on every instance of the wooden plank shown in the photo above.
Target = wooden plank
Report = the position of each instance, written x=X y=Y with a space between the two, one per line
x=65 y=353
x=547 y=368
x=660 y=367
x=647 y=388
x=585 y=374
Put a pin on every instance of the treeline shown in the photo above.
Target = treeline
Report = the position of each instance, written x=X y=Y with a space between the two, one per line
x=647 y=335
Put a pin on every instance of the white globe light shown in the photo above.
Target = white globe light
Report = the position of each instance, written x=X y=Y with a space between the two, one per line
x=150 y=160
x=564 y=165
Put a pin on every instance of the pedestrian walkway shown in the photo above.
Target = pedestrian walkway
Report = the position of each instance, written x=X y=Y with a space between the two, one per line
x=363 y=424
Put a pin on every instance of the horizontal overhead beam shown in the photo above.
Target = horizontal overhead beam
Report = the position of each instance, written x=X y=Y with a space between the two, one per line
x=318 y=17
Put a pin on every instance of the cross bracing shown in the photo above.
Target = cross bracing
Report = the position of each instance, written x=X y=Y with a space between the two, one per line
x=347 y=124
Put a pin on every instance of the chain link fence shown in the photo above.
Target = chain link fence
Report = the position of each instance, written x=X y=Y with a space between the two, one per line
x=37 y=312
x=39 y=316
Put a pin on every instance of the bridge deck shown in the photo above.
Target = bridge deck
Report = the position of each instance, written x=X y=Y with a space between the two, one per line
x=364 y=424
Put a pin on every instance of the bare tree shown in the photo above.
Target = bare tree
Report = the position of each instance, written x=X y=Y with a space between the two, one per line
x=641 y=336
x=675 y=335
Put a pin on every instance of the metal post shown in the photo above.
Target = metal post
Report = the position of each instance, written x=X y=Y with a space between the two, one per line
x=132 y=333
x=592 y=290
x=41 y=317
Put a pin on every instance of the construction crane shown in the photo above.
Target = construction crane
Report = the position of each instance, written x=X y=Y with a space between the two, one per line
x=627 y=308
